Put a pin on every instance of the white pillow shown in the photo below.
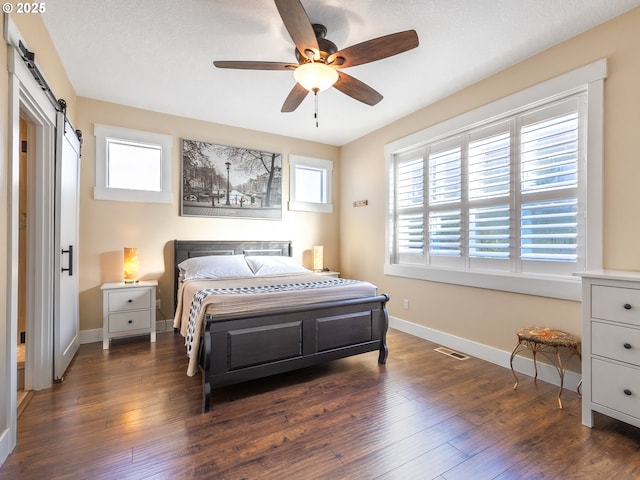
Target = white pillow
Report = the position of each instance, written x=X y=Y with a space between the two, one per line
x=274 y=265
x=215 y=266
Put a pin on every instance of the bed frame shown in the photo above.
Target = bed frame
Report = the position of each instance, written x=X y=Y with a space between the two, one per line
x=237 y=348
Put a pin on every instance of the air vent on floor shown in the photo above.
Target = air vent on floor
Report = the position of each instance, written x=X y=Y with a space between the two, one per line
x=451 y=353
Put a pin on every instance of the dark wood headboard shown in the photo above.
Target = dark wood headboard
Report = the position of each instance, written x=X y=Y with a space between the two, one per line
x=184 y=249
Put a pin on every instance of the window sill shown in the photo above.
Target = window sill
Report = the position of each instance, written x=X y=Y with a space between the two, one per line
x=311 y=207
x=124 y=195
x=552 y=286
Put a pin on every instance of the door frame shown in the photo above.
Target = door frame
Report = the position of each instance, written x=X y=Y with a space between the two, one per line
x=26 y=98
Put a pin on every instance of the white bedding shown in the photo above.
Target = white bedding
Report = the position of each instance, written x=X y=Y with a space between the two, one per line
x=254 y=294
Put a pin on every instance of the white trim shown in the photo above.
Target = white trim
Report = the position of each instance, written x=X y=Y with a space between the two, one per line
x=28 y=99
x=320 y=164
x=546 y=373
x=567 y=288
x=102 y=192
x=91 y=336
x=590 y=77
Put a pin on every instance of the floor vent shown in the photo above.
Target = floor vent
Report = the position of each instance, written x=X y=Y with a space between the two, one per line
x=452 y=353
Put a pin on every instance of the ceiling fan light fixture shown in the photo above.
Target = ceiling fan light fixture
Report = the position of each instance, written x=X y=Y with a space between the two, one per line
x=315 y=76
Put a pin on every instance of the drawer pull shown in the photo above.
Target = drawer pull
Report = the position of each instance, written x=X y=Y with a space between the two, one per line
x=627 y=346
x=130 y=321
x=627 y=391
x=130 y=301
x=627 y=306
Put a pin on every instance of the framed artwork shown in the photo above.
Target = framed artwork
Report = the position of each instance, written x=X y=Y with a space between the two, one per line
x=225 y=181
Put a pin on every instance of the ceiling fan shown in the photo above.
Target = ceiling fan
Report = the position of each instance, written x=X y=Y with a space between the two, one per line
x=319 y=62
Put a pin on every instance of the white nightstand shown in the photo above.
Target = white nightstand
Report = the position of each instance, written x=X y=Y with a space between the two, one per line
x=330 y=273
x=128 y=309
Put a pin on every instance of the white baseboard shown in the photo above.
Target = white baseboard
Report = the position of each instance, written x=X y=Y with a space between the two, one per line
x=90 y=336
x=95 y=335
x=546 y=372
x=6 y=444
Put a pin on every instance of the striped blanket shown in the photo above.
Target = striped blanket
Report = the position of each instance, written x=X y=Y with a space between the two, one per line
x=226 y=297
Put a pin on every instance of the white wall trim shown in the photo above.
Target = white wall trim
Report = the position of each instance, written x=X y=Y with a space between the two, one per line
x=102 y=192
x=546 y=373
x=28 y=99
x=589 y=78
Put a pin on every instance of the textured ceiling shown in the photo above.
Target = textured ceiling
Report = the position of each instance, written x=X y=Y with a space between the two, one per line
x=157 y=54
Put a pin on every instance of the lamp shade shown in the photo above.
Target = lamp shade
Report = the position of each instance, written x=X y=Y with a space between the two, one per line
x=315 y=76
x=130 y=264
x=318 y=261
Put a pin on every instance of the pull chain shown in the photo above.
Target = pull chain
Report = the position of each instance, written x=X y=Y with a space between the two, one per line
x=315 y=115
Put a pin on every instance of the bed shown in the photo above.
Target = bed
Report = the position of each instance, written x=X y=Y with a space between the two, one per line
x=273 y=317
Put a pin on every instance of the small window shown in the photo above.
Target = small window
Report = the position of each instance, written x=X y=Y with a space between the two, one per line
x=132 y=166
x=310 y=182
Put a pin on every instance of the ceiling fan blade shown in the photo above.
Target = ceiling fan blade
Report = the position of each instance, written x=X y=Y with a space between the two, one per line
x=356 y=89
x=297 y=94
x=256 y=65
x=375 y=49
x=297 y=22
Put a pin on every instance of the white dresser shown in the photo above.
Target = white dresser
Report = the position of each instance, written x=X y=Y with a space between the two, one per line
x=611 y=345
x=128 y=309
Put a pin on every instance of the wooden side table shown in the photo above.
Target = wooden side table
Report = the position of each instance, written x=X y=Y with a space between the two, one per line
x=546 y=341
x=128 y=309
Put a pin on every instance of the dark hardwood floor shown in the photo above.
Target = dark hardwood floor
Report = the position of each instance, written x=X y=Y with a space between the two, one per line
x=131 y=412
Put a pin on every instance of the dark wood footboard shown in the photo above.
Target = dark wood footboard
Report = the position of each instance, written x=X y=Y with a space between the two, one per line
x=239 y=348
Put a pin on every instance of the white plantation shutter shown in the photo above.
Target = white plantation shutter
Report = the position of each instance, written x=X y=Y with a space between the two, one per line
x=549 y=162
x=507 y=196
x=445 y=232
x=445 y=200
x=489 y=232
x=489 y=165
x=445 y=183
x=500 y=196
x=409 y=207
x=489 y=188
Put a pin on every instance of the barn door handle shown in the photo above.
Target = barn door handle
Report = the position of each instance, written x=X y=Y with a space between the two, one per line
x=70 y=252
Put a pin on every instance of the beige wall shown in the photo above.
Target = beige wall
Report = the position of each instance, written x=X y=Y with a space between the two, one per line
x=106 y=226
x=485 y=316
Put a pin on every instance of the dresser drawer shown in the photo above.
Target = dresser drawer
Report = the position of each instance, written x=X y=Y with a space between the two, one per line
x=130 y=299
x=610 y=381
x=129 y=321
x=608 y=303
x=616 y=342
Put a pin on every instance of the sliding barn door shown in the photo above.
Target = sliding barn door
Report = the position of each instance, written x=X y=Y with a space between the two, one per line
x=66 y=322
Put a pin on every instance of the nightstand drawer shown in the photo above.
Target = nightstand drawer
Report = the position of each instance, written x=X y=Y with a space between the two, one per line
x=129 y=321
x=616 y=304
x=616 y=386
x=130 y=299
x=616 y=342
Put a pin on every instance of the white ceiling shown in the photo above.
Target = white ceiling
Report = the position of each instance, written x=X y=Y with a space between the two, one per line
x=157 y=54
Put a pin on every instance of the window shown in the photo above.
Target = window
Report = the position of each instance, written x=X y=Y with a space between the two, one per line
x=497 y=198
x=310 y=184
x=132 y=166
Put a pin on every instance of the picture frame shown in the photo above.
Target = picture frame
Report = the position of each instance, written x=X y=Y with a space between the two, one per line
x=230 y=182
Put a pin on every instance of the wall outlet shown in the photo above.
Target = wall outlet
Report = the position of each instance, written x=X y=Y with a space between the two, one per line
x=158 y=304
x=405 y=304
